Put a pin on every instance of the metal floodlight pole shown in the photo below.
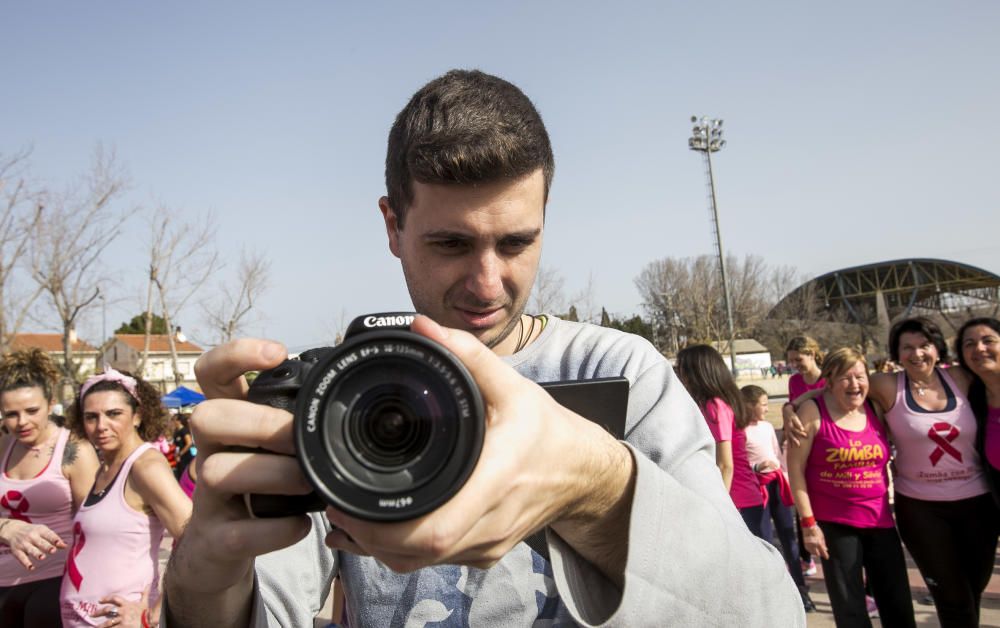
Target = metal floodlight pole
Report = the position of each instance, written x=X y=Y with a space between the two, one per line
x=707 y=138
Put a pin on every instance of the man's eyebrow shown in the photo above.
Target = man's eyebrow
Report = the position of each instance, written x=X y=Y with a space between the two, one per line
x=445 y=234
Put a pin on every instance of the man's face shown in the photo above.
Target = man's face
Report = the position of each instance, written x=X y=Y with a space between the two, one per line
x=470 y=253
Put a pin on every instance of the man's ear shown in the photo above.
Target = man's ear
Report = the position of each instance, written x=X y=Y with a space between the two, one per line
x=391 y=224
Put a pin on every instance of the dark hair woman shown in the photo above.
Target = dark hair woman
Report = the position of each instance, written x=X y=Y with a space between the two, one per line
x=45 y=475
x=707 y=378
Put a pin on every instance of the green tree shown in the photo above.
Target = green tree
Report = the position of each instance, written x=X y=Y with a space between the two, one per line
x=138 y=325
x=635 y=325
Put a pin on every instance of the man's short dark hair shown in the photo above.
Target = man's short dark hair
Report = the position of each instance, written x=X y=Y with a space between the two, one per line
x=463 y=128
x=918 y=325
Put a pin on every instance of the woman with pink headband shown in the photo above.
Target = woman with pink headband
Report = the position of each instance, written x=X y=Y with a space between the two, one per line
x=112 y=574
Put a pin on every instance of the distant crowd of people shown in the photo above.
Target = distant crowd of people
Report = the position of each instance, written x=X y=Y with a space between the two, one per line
x=916 y=422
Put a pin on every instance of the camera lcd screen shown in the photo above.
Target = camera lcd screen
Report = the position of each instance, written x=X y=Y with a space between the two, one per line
x=603 y=401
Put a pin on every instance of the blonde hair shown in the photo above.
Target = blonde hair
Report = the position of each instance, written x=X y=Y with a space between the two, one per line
x=806 y=345
x=840 y=361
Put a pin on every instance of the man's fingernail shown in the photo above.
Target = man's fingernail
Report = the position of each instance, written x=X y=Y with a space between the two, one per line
x=272 y=351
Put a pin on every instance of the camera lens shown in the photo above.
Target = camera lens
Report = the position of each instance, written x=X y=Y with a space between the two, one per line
x=390 y=432
x=388 y=425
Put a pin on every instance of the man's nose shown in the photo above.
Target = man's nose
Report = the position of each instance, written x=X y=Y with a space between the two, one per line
x=485 y=279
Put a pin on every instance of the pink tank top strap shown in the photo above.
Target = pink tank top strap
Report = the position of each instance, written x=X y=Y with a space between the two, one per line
x=949 y=380
x=122 y=477
x=54 y=467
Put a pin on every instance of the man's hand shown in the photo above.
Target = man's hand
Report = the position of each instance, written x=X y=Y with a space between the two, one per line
x=540 y=465
x=30 y=541
x=210 y=576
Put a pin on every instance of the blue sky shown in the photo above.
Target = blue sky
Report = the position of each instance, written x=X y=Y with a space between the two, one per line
x=857 y=132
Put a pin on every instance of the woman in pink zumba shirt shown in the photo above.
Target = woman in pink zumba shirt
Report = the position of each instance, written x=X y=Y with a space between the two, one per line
x=112 y=573
x=707 y=378
x=839 y=479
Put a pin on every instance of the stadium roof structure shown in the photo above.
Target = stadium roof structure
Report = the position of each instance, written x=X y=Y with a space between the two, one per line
x=896 y=288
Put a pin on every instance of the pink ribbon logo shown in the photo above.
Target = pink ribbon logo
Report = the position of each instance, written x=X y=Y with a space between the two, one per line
x=17 y=504
x=71 y=569
x=943 y=434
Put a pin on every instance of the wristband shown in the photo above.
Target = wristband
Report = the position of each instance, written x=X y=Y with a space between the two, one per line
x=145 y=618
x=808 y=522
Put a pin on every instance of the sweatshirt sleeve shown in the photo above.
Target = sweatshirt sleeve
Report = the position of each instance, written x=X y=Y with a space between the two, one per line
x=691 y=559
x=291 y=585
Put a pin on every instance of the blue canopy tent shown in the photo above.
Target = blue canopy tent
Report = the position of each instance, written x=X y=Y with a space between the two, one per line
x=181 y=397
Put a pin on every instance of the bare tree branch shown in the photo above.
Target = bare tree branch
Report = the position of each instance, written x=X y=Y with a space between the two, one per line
x=227 y=313
x=182 y=256
x=20 y=212
x=547 y=294
x=67 y=246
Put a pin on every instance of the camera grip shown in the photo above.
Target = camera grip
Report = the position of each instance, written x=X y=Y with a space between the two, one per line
x=274 y=506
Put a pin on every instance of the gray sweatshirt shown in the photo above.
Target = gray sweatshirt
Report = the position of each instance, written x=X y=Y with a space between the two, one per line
x=691 y=559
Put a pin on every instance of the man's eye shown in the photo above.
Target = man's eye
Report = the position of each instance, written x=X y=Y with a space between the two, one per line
x=515 y=245
x=448 y=245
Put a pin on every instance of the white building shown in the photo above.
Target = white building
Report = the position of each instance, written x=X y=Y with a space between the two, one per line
x=124 y=352
x=751 y=356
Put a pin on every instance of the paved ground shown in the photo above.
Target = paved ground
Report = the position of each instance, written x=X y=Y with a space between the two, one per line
x=823 y=617
x=989 y=615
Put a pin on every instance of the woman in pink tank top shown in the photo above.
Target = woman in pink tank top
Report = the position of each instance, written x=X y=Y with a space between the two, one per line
x=708 y=380
x=112 y=573
x=804 y=354
x=44 y=476
x=839 y=478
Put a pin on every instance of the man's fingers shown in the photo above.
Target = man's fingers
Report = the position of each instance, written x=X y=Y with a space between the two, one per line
x=231 y=423
x=247 y=538
x=491 y=374
x=220 y=371
x=238 y=472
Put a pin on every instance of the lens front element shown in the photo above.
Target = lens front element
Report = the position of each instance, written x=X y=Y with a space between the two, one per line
x=389 y=426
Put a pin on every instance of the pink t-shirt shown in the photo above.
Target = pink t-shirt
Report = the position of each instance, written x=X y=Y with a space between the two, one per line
x=115 y=552
x=45 y=499
x=992 y=444
x=936 y=457
x=845 y=473
x=797 y=386
x=745 y=489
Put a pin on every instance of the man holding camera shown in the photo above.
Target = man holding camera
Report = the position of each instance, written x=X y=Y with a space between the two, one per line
x=640 y=531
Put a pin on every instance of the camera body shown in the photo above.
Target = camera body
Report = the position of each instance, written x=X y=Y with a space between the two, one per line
x=388 y=424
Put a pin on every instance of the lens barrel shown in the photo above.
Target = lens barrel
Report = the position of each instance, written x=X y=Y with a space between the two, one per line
x=388 y=426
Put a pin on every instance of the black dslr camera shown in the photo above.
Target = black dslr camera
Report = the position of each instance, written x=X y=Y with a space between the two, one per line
x=389 y=424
